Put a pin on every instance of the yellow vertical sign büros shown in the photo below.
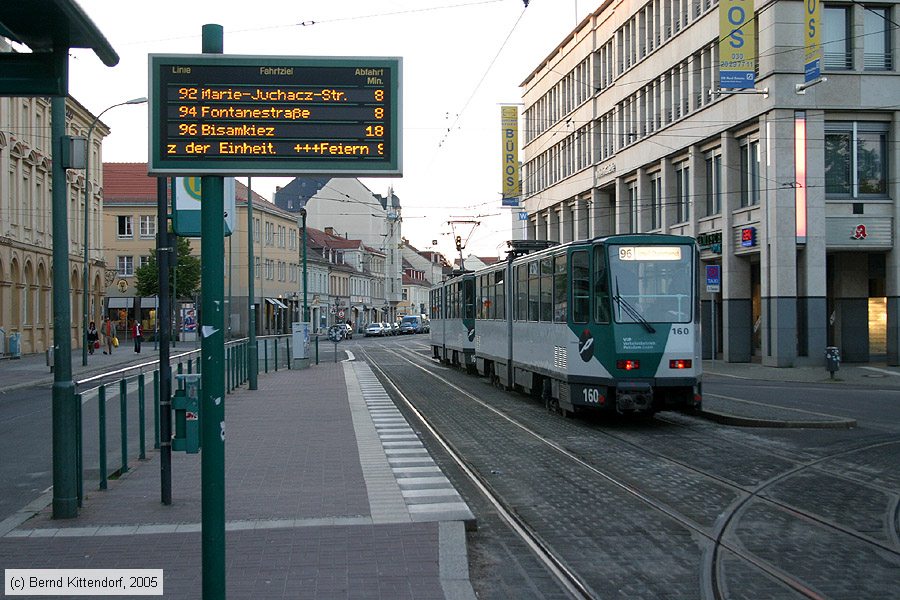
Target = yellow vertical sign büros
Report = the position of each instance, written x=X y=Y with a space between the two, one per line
x=509 y=126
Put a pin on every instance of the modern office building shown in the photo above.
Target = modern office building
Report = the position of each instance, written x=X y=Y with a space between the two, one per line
x=792 y=192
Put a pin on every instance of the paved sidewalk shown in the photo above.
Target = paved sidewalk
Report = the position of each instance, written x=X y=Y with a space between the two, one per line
x=32 y=369
x=329 y=494
x=733 y=411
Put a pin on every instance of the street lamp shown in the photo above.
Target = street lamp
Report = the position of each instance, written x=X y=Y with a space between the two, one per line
x=87 y=214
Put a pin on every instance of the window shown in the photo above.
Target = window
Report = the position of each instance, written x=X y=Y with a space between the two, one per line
x=521 y=293
x=655 y=202
x=546 y=290
x=145 y=260
x=499 y=306
x=836 y=42
x=534 y=291
x=855 y=159
x=560 y=289
x=148 y=226
x=256 y=239
x=877 y=47
x=126 y=227
x=601 y=286
x=256 y=271
x=633 y=207
x=682 y=193
x=713 y=184
x=750 y=173
x=126 y=266
x=581 y=301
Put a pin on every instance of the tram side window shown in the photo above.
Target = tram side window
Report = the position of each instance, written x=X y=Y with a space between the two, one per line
x=521 y=293
x=469 y=298
x=581 y=287
x=560 y=289
x=546 y=289
x=481 y=294
x=534 y=291
x=499 y=307
x=601 y=286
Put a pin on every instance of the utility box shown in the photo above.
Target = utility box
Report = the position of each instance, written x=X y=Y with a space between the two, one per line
x=186 y=404
x=300 y=341
x=50 y=358
x=832 y=359
x=15 y=345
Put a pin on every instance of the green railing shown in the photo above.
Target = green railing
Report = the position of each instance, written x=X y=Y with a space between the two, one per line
x=274 y=352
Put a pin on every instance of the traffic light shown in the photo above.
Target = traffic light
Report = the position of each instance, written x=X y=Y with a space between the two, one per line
x=458 y=243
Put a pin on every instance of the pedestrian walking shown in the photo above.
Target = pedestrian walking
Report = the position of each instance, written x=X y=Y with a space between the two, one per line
x=93 y=338
x=137 y=332
x=109 y=332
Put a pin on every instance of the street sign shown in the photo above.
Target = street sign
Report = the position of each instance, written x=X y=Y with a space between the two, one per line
x=186 y=218
x=340 y=314
x=523 y=216
x=713 y=278
x=246 y=115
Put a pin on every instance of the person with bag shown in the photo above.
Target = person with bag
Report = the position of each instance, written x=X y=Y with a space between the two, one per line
x=137 y=332
x=109 y=334
x=93 y=338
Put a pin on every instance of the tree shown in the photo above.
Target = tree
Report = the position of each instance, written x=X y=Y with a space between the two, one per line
x=188 y=271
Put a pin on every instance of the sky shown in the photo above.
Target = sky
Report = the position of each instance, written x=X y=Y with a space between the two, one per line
x=462 y=59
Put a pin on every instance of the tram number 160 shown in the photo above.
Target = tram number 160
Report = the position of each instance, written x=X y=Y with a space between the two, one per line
x=591 y=395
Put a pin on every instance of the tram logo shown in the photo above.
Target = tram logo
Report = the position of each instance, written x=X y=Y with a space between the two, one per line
x=471 y=334
x=586 y=345
x=860 y=233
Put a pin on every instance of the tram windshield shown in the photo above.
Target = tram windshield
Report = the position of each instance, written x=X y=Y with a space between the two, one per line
x=651 y=284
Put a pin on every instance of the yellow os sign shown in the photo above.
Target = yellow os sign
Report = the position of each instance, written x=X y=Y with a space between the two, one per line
x=737 y=44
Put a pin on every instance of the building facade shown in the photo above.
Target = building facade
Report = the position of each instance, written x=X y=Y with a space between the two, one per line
x=793 y=195
x=26 y=241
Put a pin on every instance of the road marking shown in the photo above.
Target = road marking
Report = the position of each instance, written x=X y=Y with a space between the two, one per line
x=799 y=410
x=894 y=373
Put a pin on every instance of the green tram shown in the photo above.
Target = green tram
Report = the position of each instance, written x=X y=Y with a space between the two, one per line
x=607 y=324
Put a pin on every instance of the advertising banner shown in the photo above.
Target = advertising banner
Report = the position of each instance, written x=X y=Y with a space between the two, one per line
x=737 y=44
x=509 y=126
x=813 y=51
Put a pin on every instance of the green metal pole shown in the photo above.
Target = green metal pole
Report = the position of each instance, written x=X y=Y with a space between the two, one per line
x=101 y=425
x=123 y=422
x=79 y=457
x=65 y=484
x=253 y=366
x=212 y=382
x=141 y=418
x=305 y=304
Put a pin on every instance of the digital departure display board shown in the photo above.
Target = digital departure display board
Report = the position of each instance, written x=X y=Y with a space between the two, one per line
x=214 y=114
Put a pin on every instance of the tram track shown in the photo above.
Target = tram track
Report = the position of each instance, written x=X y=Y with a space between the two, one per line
x=726 y=521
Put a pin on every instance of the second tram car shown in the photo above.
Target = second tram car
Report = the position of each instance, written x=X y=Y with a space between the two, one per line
x=453 y=320
x=610 y=323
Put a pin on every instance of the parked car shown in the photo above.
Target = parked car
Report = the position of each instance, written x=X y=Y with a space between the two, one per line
x=349 y=334
x=375 y=329
x=395 y=328
x=388 y=329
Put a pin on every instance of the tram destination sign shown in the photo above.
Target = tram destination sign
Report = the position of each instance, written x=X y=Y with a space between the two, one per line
x=213 y=114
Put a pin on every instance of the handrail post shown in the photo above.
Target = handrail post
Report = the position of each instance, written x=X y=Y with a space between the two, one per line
x=101 y=426
x=142 y=435
x=123 y=420
x=317 y=348
x=156 y=409
x=266 y=355
x=276 y=354
x=79 y=455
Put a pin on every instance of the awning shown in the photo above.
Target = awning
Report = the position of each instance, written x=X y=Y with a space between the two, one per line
x=121 y=302
x=276 y=302
x=149 y=302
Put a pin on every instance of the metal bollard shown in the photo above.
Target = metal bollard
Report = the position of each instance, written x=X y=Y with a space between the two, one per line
x=101 y=416
x=142 y=419
x=123 y=422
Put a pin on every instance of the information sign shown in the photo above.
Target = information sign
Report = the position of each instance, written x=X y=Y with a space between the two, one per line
x=713 y=278
x=244 y=115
